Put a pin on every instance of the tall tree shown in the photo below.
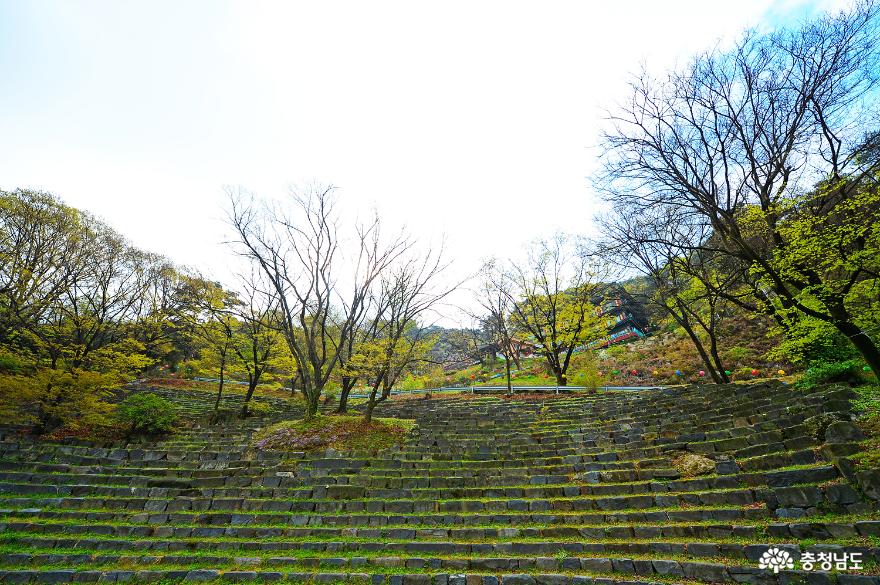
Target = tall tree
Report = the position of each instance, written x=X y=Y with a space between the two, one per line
x=408 y=291
x=494 y=296
x=551 y=297
x=298 y=250
x=212 y=322
x=688 y=284
x=256 y=341
x=738 y=139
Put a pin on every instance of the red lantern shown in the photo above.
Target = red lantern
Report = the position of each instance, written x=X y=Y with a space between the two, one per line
x=702 y=373
x=633 y=372
x=754 y=372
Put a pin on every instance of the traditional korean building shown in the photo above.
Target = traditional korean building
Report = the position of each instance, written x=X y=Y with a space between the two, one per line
x=626 y=318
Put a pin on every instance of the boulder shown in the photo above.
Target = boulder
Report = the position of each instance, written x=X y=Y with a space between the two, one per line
x=691 y=464
x=818 y=424
x=843 y=431
x=587 y=477
x=869 y=482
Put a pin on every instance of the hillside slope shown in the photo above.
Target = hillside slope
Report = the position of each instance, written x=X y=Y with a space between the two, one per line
x=687 y=485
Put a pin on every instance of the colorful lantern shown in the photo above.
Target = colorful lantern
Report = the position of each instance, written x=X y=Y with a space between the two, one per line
x=633 y=372
x=615 y=372
x=702 y=373
x=754 y=372
x=678 y=372
x=781 y=372
x=727 y=372
x=654 y=373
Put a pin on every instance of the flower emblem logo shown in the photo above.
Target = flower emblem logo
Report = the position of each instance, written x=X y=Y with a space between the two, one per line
x=776 y=559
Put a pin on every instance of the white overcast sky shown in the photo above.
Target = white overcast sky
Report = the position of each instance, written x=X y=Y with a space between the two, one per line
x=476 y=119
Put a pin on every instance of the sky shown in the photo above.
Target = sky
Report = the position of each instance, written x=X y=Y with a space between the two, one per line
x=474 y=122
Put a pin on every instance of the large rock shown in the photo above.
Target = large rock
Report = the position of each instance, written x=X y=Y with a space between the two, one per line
x=587 y=477
x=843 y=431
x=691 y=464
x=869 y=482
x=817 y=425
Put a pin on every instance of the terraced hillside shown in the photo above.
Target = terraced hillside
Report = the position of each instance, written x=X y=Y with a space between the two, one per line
x=574 y=489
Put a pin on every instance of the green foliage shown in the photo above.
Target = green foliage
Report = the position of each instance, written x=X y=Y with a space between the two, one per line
x=809 y=340
x=338 y=431
x=146 y=413
x=868 y=402
x=585 y=370
x=821 y=372
x=54 y=398
x=867 y=407
x=739 y=353
x=10 y=364
x=259 y=408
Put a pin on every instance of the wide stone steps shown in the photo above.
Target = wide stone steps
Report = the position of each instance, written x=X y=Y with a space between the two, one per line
x=570 y=503
x=412 y=518
x=604 y=562
x=569 y=489
x=727 y=548
x=690 y=530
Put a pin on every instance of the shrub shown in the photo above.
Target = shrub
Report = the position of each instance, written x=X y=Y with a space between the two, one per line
x=222 y=416
x=10 y=364
x=147 y=413
x=739 y=353
x=258 y=408
x=54 y=398
x=810 y=341
x=822 y=371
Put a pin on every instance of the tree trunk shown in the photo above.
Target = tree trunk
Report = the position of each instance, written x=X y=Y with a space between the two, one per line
x=371 y=401
x=719 y=365
x=252 y=386
x=368 y=413
x=507 y=368
x=863 y=343
x=220 y=386
x=312 y=399
x=698 y=345
x=347 y=386
x=561 y=378
x=293 y=382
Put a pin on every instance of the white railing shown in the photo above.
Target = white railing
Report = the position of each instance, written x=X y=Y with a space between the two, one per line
x=516 y=389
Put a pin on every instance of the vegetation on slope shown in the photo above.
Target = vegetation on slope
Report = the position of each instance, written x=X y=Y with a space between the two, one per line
x=341 y=432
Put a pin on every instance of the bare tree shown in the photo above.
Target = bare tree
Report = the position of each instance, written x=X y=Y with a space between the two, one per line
x=298 y=250
x=256 y=341
x=495 y=298
x=738 y=137
x=408 y=291
x=686 y=286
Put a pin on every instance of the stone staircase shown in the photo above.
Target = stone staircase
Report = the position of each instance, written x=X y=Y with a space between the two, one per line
x=574 y=489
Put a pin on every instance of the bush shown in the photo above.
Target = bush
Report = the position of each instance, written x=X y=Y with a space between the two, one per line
x=147 y=413
x=259 y=408
x=810 y=341
x=222 y=416
x=10 y=364
x=821 y=372
x=55 y=398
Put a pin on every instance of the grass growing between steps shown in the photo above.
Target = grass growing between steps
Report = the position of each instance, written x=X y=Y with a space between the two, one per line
x=347 y=433
x=867 y=407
